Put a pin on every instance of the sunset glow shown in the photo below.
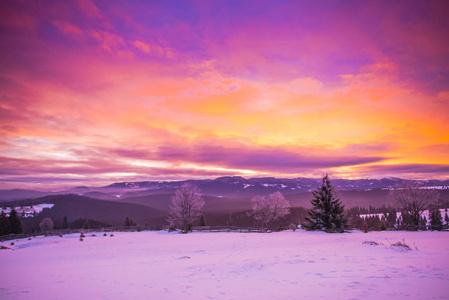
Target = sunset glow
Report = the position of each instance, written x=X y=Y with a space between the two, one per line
x=93 y=92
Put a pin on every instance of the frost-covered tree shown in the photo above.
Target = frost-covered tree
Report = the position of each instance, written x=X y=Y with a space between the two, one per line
x=413 y=200
x=186 y=206
x=46 y=225
x=327 y=209
x=269 y=208
x=15 y=224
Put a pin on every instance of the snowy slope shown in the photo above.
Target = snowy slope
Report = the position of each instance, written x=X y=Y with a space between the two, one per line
x=285 y=265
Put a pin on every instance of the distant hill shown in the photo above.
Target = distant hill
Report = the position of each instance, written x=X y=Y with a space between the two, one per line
x=81 y=207
x=18 y=194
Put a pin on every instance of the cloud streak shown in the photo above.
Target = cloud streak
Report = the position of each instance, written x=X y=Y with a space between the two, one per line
x=198 y=89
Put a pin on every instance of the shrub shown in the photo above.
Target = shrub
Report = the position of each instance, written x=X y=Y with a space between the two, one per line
x=373 y=243
x=402 y=245
x=46 y=225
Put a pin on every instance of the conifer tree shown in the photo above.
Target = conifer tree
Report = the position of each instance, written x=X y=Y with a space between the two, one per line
x=202 y=221
x=327 y=211
x=4 y=224
x=65 y=224
x=15 y=223
x=230 y=222
x=436 y=220
x=86 y=225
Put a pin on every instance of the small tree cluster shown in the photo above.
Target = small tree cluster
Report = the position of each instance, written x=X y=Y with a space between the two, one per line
x=129 y=222
x=436 y=219
x=328 y=211
x=11 y=224
x=266 y=209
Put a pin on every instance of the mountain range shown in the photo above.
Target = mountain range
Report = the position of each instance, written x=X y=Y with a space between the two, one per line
x=230 y=186
x=148 y=202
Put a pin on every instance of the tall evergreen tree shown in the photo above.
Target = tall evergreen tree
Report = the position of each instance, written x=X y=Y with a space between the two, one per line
x=436 y=220
x=202 y=221
x=4 y=224
x=327 y=211
x=65 y=224
x=15 y=223
x=230 y=222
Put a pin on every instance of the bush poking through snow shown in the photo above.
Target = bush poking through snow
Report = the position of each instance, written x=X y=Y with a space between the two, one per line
x=372 y=243
x=402 y=245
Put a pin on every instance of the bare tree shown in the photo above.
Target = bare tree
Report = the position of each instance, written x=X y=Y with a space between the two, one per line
x=186 y=206
x=413 y=200
x=46 y=225
x=269 y=208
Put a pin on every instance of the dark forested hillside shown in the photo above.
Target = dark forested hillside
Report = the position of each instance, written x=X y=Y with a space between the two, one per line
x=80 y=207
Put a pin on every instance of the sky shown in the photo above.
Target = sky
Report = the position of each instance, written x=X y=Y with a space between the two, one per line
x=95 y=92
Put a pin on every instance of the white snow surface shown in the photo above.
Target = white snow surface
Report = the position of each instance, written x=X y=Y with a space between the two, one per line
x=27 y=211
x=283 y=265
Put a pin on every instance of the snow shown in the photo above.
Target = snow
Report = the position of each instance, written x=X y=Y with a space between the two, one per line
x=425 y=213
x=281 y=186
x=283 y=265
x=27 y=211
x=438 y=187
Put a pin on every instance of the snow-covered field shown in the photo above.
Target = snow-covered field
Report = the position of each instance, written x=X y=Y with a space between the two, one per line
x=284 y=265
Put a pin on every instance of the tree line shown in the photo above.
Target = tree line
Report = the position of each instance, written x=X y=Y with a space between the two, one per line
x=273 y=212
x=327 y=213
x=11 y=224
